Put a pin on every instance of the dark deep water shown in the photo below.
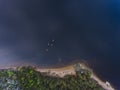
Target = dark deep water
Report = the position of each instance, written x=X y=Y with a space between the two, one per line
x=49 y=32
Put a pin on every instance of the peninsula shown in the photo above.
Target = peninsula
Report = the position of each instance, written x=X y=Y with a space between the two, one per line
x=72 y=77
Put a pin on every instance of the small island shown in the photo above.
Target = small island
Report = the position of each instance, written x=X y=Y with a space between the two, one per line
x=72 y=77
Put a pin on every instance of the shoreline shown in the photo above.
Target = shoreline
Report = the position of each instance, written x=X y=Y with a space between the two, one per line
x=61 y=71
x=105 y=84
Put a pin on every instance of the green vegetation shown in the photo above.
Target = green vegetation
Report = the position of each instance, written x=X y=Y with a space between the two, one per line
x=26 y=78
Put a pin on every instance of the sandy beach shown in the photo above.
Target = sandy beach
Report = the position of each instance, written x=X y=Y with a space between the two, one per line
x=60 y=72
x=101 y=83
x=106 y=85
x=70 y=70
x=67 y=70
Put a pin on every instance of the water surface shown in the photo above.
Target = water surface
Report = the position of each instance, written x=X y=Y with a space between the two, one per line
x=50 y=32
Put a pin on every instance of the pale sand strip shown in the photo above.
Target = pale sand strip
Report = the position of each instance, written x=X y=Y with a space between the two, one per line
x=68 y=70
x=101 y=83
x=104 y=85
x=60 y=72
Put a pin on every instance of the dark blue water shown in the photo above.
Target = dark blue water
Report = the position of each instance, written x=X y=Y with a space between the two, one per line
x=50 y=32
